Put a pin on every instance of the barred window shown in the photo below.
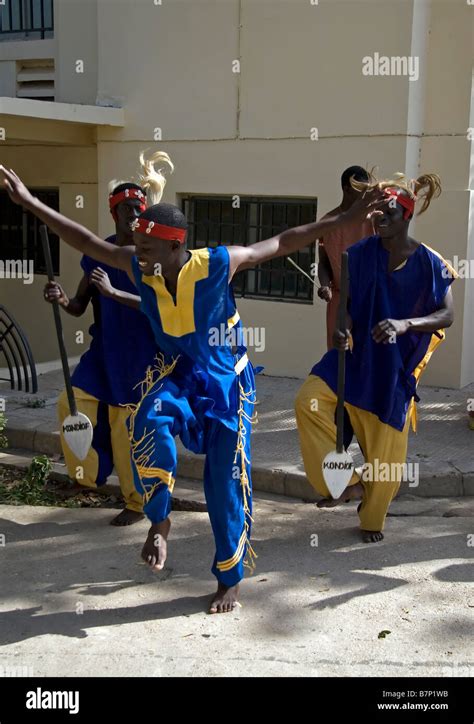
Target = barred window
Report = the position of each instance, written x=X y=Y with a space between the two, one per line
x=19 y=232
x=214 y=220
x=26 y=19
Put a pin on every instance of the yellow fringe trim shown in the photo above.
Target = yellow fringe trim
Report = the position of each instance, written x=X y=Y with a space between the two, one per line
x=165 y=475
x=249 y=561
x=144 y=448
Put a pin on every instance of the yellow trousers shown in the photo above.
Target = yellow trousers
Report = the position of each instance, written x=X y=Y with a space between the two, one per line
x=110 y=447
x=380 y=443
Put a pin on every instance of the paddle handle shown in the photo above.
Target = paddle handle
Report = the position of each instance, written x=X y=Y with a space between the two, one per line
x=341 y=357
x=57 y=321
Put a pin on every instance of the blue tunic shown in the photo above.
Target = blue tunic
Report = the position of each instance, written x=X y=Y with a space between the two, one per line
x=122 y=345
x=379 y=377
x=201 y=328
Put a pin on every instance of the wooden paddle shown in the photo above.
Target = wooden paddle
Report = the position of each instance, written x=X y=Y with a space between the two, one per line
x=77 y=428
x=338 y=465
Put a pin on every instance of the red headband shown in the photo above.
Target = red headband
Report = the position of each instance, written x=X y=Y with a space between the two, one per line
x=170 y=233
x=117 y=198
x=407 y=202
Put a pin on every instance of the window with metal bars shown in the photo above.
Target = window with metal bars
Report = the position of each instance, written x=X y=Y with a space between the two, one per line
x=19 y=232
x=26 y=19
x=214 y=220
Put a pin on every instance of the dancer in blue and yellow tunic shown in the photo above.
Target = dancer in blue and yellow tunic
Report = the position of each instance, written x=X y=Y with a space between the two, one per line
x=202 y=392
x=202 y=386
x=400 y=302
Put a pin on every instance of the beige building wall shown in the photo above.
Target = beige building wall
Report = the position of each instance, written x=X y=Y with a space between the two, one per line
x=73 y=172
x=75 y=35
x=249 y=132
x=172 y=67
x=445 y=148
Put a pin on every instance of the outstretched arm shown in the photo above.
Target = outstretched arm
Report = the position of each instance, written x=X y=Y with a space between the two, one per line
x=291 y=240
x=69 y=231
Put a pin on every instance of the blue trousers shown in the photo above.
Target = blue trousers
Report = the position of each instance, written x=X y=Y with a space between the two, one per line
x=168 y=409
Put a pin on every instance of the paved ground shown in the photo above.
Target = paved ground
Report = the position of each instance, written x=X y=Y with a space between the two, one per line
x=442 y=448
x=76 y=601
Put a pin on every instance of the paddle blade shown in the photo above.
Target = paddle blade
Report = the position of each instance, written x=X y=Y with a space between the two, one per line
x=337 y=471
x=77 y=432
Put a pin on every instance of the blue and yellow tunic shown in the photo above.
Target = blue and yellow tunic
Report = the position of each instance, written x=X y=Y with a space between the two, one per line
x=198 y=328
x=122 y=343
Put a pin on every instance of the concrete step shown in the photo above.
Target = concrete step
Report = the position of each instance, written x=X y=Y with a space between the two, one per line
x=441 y=452
x=189 y=494
x=436 y=482
x=289 y=482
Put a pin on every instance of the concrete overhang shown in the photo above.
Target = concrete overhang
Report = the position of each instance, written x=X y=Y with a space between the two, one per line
x=46 y=122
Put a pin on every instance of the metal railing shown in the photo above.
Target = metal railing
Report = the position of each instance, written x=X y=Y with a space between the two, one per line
x=26 y=18
x=15 y=349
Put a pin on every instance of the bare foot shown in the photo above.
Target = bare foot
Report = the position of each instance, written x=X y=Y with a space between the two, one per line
x=225 y=599
x=372 y=536
x=127 y=517
x=155 y=548
x=351 y=492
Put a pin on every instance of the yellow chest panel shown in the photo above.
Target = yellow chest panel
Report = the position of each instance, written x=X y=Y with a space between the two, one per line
x=178 y=319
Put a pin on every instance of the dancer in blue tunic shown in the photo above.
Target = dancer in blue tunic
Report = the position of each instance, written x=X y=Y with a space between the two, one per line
x=400 y=304
x=201 y=388
x=121 y=349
